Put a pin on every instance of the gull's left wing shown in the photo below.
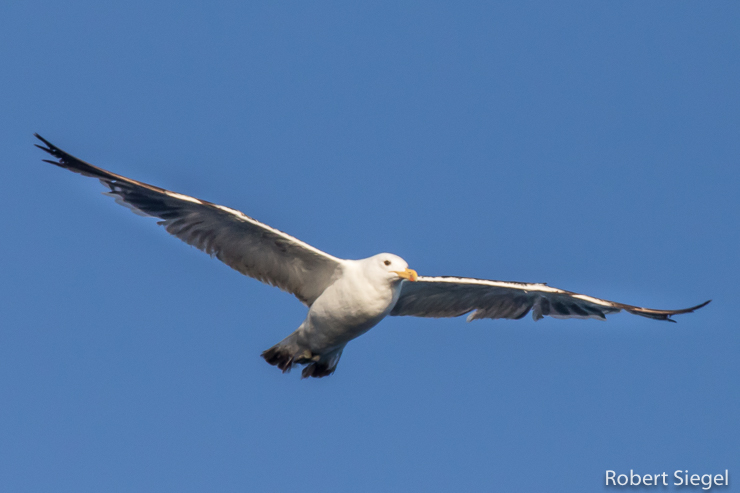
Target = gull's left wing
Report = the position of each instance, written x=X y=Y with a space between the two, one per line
x=439 y=297
x=244 y=244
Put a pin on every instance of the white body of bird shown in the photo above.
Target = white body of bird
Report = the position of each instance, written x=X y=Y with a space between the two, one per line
x=364 y=292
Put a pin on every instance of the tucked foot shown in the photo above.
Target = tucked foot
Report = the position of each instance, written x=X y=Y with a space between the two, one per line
x=318 y=370
x=322 y=366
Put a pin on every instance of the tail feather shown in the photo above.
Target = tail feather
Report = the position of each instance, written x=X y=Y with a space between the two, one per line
x=278 y=356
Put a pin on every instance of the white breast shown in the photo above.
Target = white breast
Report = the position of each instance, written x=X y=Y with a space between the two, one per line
x=349 y=307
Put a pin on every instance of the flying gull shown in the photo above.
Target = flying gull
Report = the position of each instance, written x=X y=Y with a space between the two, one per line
x=345 y=298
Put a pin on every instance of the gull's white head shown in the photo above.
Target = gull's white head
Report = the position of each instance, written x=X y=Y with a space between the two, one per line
x=390 y=267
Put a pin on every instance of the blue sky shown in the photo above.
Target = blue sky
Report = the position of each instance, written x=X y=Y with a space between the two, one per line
x=590 y=145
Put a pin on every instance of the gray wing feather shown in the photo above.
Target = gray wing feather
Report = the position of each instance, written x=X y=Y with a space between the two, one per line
x=439 y=297
x=242 y=243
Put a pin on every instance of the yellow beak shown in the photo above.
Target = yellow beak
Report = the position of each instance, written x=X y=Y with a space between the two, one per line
x=409 y=274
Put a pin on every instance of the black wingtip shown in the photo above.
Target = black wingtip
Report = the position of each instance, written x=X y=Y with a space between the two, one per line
x=68 y=161
x=49 y=144
x=664 y=314
x=687 y=310
x=50 y=148
x=694 y=308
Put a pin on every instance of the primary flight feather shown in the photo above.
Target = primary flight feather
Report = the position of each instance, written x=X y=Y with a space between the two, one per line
x=346 y=298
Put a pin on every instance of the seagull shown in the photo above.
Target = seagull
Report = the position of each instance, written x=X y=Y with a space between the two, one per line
x=345 y=298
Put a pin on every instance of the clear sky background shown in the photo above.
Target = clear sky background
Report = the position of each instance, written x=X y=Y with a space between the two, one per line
x=590 y=145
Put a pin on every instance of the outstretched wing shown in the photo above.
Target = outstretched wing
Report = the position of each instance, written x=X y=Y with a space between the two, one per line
x=242 y=243
x=439 y=297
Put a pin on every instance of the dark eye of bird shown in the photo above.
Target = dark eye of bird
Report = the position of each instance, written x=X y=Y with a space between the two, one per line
x=387 y=262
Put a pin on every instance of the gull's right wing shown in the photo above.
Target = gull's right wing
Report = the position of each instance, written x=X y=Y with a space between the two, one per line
x=244 y=244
